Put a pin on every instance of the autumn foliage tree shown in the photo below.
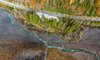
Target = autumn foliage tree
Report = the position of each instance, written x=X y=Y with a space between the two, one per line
x=98 y=11
x=97 y=3
x=43 y=2
x=83 y=10
x=34 y=2
x=78 y=9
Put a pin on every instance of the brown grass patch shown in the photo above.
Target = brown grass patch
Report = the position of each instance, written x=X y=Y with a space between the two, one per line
x=55 y=54
x=10 y=49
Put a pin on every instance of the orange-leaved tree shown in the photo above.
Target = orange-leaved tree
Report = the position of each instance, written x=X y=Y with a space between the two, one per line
x=83 y=10
x=98 y=11
x=34 y=2
x=79 y=9
x=97 y=3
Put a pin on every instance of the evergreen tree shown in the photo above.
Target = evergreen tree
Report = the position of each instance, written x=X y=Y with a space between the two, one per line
x=70 y=11
x=77 y=28
x=63 y=26
x=93 y=11
x=67 y=29
x=39 y=1
x=31 y=18
x=19 y=2
x=54 y=1
x=27 y=16
x=55 y=22
x=24 y=4
x=47 y=2
x=45 y=22
x=59 y=24
x=28 y=4
x=98 y=24
x=42 y=21
x=39 y=23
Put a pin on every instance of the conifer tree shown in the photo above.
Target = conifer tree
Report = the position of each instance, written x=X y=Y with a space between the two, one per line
x=27 y=16
x=45 y=22
x=31 y=18
x=42 y=21
x=59 y=24
x=24 y=4
x=77 y=28
x=93 y=11
x=67 y=29
x=63 y=26
x=39 y=1
x=55 y=22
x=47 y=2
x=28 y=4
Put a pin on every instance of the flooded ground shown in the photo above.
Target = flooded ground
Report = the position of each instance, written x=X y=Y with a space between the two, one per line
x=9 y=32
